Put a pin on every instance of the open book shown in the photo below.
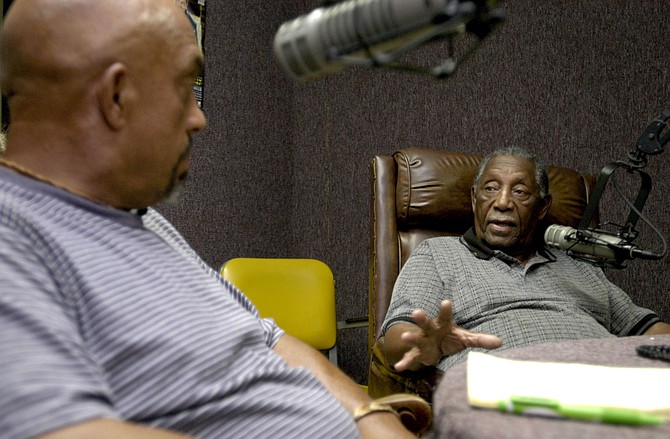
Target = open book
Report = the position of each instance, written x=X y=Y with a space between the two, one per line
x=493 y=379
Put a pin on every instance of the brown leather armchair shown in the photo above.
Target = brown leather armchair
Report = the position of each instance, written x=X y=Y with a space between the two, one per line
x=420 y=193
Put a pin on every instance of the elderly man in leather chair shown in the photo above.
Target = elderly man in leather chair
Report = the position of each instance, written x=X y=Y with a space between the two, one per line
x=497 y=286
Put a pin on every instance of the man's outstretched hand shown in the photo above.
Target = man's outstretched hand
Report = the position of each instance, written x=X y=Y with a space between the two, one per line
x=432 y=339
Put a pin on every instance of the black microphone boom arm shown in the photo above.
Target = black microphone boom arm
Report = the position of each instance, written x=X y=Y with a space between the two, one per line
x=650 y=142
x=601 y=184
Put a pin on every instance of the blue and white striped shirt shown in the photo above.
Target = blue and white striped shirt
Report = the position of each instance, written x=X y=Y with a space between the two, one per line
x=104 y=313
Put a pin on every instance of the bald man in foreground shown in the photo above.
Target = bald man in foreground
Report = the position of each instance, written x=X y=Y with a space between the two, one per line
x=112 y=326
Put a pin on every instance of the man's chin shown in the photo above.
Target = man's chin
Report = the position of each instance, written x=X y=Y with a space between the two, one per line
x=500 y=242
x=174 y=194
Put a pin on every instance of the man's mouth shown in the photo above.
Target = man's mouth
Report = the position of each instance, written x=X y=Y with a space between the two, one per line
x=501 y=225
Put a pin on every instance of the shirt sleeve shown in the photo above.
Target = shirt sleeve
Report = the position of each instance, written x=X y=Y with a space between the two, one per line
x=155 y=222
x=627 y=318
x=418 y=286
x=272 y=332
x=46 y=379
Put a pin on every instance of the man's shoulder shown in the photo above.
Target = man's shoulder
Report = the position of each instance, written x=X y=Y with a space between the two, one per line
x=465 y=246
x=442 y=240
x=441 y=244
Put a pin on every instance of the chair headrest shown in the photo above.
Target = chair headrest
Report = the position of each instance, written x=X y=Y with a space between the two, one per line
x=433 y=190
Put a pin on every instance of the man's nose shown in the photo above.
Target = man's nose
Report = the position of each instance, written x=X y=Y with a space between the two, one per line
x=197 y=119
x=503 y=200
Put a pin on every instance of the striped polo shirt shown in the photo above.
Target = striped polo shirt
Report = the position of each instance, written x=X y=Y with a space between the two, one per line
x=553 y=297
x=105 y=313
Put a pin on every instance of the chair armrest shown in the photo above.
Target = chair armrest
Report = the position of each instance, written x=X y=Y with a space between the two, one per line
x=414 y=412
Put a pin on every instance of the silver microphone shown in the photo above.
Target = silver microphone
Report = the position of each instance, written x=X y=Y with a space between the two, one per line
x=593 y=245
x=350 y=32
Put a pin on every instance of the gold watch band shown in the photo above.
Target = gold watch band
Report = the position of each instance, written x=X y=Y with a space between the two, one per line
x=372 y=407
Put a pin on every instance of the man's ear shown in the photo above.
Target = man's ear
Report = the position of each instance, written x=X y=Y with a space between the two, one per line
x=545 y=208
x=111 y=95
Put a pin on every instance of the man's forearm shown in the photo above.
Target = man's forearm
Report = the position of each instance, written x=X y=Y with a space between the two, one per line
x=394 y=347
x=344 y=389
x=110 y=429
x=658 y=328
x=298 y=354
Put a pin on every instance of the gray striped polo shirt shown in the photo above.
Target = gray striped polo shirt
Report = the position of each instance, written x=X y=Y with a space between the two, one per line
x=104 y=313
x=553 y=297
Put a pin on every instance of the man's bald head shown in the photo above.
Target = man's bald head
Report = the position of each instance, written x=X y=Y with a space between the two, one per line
x=67 y=42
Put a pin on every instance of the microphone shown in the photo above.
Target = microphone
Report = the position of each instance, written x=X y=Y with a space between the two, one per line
x=373 y=33
x=594 y=246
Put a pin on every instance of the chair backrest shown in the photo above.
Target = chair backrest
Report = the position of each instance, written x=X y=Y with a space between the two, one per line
x=420 y=193
x=299 y=294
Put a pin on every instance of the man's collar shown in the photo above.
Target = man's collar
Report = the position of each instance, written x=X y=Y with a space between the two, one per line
x=478 y=247
x=482 y=251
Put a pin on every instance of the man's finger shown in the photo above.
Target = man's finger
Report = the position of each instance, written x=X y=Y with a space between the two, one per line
x=489 y=341
x=422 y=320
x=479 y=340
x=446 y=314
x=407 y=361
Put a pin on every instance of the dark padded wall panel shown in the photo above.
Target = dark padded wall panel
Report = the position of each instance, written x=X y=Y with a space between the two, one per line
x=282 y=169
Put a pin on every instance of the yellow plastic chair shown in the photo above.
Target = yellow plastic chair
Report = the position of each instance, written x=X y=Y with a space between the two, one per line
x=299 y=294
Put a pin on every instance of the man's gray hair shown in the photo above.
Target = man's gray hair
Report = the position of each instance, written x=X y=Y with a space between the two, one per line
x=541 y=176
